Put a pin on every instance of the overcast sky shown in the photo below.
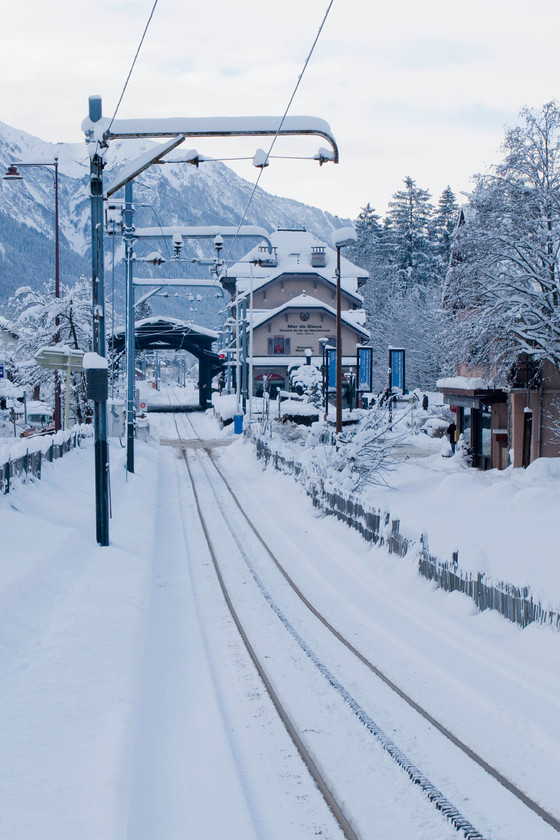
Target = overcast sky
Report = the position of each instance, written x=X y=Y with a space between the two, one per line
x=409 y=88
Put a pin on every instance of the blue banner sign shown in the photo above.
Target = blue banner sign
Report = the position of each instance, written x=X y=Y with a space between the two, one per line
x=396 y=366
x=364 y=364
x=331 y=369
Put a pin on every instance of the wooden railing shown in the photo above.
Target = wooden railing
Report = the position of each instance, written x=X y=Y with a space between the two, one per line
x=515 y=603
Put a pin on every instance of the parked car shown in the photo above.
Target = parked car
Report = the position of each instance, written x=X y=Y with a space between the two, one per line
x=40 y=420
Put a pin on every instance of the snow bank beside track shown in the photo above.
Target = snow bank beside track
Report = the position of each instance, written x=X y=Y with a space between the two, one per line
x=72 y=623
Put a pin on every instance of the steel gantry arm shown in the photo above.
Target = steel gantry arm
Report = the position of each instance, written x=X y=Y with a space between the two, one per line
x=103 y=130
x=99 y=131
x=205 y=232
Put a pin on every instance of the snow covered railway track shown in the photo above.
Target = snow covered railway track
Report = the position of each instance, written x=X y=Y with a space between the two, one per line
x=315 y=773
x=431 y=791
x=334 y=792
x=495 y=774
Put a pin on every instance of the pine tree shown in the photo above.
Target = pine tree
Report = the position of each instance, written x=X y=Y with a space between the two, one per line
x=445 y=225
x=411 y=217
x=403 y=255
x=143 y=310
x=369 y=231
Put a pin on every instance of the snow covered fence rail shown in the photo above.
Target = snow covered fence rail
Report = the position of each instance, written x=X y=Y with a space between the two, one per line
x=34 y=451
x=513 y=602
x=516 y=604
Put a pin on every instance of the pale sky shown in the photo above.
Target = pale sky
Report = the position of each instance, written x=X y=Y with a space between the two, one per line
x=408 y=87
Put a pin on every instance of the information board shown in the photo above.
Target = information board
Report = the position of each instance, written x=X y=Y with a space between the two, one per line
x=396 y=366
x=331 y=368
x=364 y=365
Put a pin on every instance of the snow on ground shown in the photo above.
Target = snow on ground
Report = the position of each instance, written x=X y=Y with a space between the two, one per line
x=503 y=523
x=71 y=638
x=109 y=667
x=495 y=685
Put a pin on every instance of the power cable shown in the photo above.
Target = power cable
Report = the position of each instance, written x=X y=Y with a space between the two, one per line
x=133 y=63
x=282 y=121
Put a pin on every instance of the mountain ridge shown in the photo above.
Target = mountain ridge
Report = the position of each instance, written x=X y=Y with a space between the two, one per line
x=170 y=194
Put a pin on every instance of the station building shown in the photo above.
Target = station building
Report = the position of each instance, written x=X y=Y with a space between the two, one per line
x=289 y=295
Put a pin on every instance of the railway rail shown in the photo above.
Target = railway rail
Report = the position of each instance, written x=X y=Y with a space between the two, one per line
x=200 y=461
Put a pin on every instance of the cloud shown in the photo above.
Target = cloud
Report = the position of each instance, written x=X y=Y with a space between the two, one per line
x=176 y=67
x=473 y=115
x=437 y=53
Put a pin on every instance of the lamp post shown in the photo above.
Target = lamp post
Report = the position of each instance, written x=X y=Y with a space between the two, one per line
x=12 y=174
x=340 y=238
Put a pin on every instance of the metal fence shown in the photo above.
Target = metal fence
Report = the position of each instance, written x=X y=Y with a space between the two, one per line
x=30 y=464
x=516 y=604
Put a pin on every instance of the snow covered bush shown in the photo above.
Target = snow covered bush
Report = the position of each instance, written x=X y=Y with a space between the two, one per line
x=435 y=427
x=364 y=454
x=225 y=407
x=308 y=380
x=368 y=455
x=298 y=412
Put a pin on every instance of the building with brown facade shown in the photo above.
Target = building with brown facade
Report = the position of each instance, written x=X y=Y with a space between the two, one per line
x=289 y=296
x=514 y=422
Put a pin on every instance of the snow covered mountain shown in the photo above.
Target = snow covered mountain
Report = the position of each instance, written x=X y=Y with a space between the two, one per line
x=174 y=194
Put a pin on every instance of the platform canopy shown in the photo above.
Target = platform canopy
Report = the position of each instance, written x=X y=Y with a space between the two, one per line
x=158 y=333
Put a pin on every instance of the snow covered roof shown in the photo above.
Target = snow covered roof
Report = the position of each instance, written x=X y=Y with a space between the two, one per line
x=244 y=290
x=158 y=320
x=295 y=255
x=261 y=316
x=465 y=383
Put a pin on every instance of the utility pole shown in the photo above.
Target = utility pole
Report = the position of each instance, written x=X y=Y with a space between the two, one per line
x=244 y=354
x=98 y=305
x=340 y=238
x=338 y=346
x=130 y=326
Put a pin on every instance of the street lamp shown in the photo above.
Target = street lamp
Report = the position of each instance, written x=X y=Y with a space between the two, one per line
x=340 y=238
x=12 y=174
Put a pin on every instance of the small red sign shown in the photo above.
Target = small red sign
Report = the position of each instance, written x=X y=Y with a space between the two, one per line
x=142 y=405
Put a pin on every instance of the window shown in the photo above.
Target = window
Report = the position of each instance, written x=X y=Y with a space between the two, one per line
x=278 y=346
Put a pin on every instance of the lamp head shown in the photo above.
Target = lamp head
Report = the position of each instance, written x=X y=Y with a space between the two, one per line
x=344 y=236
x=12 y=174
